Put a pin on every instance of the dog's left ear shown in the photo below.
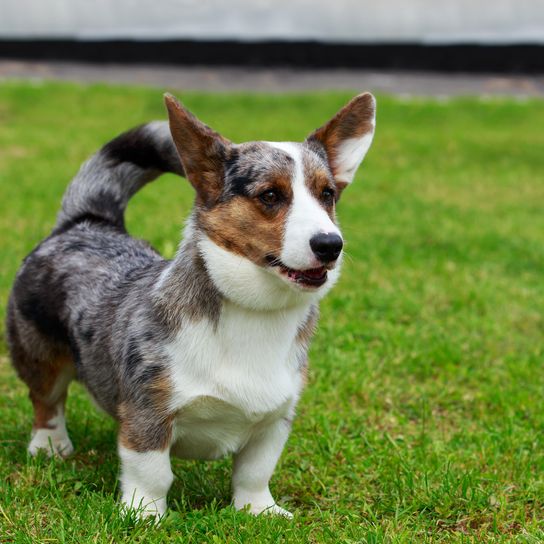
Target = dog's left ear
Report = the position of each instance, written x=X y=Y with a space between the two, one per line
x=202 y=151
x=347 y=137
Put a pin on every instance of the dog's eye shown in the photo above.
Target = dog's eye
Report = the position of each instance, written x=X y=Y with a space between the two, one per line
x=270 y=197
x=327 y=194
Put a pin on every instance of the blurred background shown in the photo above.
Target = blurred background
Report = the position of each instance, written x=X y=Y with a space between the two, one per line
x=403 y=46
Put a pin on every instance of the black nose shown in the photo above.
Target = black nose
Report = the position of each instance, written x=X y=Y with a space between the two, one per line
x=326 y=247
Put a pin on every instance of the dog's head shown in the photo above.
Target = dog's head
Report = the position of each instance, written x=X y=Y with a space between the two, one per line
x=266 y=210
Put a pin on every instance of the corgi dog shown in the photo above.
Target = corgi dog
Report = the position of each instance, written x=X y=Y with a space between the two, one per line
x=204 y=355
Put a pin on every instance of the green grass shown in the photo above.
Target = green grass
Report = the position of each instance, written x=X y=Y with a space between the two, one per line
x=423 y=418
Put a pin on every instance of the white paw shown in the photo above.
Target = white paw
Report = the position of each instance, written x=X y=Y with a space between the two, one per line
x=259 y=503
x=144 y=507
x=276 y=510
x=145 y=479
x=52 y=441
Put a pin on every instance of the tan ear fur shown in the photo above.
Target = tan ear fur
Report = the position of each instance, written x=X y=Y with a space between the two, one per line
x=202 y=150
x=347 y=137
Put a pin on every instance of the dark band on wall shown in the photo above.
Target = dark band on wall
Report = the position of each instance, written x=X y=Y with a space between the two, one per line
x=520 y=58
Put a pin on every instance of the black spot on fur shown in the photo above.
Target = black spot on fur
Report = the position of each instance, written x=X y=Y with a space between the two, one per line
x=238 y=185
x=75 y=245
x=41 y=299
x=133 y=359
x=237 y=179
x=76 y=352
x=318 y=148
x=91 y=218
x=137 y=147
x=142 y=382
x=148 y=336
x=87 y=334
x=231 y=163
x=150 y=373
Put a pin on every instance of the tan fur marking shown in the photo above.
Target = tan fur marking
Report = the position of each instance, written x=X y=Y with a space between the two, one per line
x=45 y=412
x=55 y=368
x=41 y=392
x=161 y=389
x=140 y=436
x=148 y=428
x=242 y=226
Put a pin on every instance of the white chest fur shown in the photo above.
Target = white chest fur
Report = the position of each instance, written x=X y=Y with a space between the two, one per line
x=231 y=378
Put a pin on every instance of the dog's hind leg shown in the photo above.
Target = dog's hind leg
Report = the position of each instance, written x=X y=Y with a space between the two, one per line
x=49 y=429
x=47 y=370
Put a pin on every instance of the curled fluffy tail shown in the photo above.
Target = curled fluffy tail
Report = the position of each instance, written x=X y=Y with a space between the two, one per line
x=105 y=183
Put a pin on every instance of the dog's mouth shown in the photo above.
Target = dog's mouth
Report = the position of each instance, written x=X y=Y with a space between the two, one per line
x=311 y=277
x=314 y=277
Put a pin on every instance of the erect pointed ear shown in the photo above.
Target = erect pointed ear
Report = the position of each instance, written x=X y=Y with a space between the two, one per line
x=202 y=151
x=347 y=137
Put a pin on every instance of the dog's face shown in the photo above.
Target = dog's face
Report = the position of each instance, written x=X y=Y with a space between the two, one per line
x=267 y=209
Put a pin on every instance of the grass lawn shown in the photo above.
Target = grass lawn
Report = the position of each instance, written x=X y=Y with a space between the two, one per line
x=423 y=418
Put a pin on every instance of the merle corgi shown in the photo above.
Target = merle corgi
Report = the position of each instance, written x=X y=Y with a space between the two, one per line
x=204 y=355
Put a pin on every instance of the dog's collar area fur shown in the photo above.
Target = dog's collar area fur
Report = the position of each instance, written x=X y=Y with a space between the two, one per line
x=254 y=287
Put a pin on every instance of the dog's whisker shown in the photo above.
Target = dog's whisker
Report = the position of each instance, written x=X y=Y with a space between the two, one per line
x=347 y=255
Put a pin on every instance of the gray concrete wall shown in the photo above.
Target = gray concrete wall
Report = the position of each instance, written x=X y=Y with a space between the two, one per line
x=351 y=21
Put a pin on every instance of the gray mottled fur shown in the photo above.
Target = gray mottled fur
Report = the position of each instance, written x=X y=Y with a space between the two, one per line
x=92 y=292
x=107 y=181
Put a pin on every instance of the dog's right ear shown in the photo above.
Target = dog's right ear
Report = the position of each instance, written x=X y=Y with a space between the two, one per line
x=202 y=151
x=347 y=137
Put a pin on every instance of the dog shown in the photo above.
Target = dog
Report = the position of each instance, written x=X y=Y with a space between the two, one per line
x=204 y=355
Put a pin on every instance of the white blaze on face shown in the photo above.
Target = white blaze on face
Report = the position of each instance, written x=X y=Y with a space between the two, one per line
x=306 y=217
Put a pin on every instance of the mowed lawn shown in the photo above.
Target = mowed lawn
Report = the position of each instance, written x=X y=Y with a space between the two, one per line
x=423 y=418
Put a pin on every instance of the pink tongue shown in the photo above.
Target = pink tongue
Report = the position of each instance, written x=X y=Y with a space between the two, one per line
x=313 y=273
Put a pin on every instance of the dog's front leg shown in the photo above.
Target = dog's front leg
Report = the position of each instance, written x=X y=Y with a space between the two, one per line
x=253 y=468
x=145 y=480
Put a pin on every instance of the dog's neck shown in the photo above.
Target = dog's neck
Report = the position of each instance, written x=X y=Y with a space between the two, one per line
x=203 y=277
